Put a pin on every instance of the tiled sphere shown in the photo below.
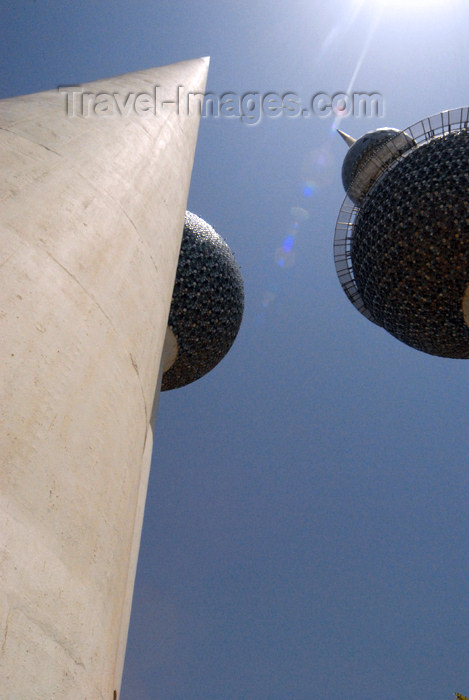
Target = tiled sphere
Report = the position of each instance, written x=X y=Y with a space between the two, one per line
x=207 y=304
x=410 y=247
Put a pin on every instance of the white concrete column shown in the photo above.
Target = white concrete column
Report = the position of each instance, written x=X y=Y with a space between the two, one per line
x=92 y=208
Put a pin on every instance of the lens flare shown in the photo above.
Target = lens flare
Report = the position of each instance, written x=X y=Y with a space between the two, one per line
x=288 y=244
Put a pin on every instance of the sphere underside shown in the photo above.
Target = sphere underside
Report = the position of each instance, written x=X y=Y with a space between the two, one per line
x=410 y=247
x=207 y=304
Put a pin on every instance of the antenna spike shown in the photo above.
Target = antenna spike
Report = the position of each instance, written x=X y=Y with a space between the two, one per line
x=349 y=140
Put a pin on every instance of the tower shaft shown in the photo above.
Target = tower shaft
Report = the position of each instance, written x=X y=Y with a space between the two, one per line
x=92 y=205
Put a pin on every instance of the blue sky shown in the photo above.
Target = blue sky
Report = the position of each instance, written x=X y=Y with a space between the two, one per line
x=306 y=528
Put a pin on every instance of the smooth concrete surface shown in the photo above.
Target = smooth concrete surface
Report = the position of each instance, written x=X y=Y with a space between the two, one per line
x=91 y=217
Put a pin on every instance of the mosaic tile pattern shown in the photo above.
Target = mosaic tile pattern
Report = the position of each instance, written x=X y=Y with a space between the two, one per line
x=207 y=305
x=410 y=247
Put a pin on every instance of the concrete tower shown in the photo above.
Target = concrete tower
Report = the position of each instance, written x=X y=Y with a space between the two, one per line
x=92 y=205
x=402 y=236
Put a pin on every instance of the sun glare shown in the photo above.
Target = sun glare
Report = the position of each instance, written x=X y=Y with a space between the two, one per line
x=411 y=5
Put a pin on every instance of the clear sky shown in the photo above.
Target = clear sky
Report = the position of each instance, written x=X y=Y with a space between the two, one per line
x=306 y=530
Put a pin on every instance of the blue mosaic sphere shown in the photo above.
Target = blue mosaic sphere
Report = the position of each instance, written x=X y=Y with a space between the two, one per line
x=207 y=304
x=410 y=247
